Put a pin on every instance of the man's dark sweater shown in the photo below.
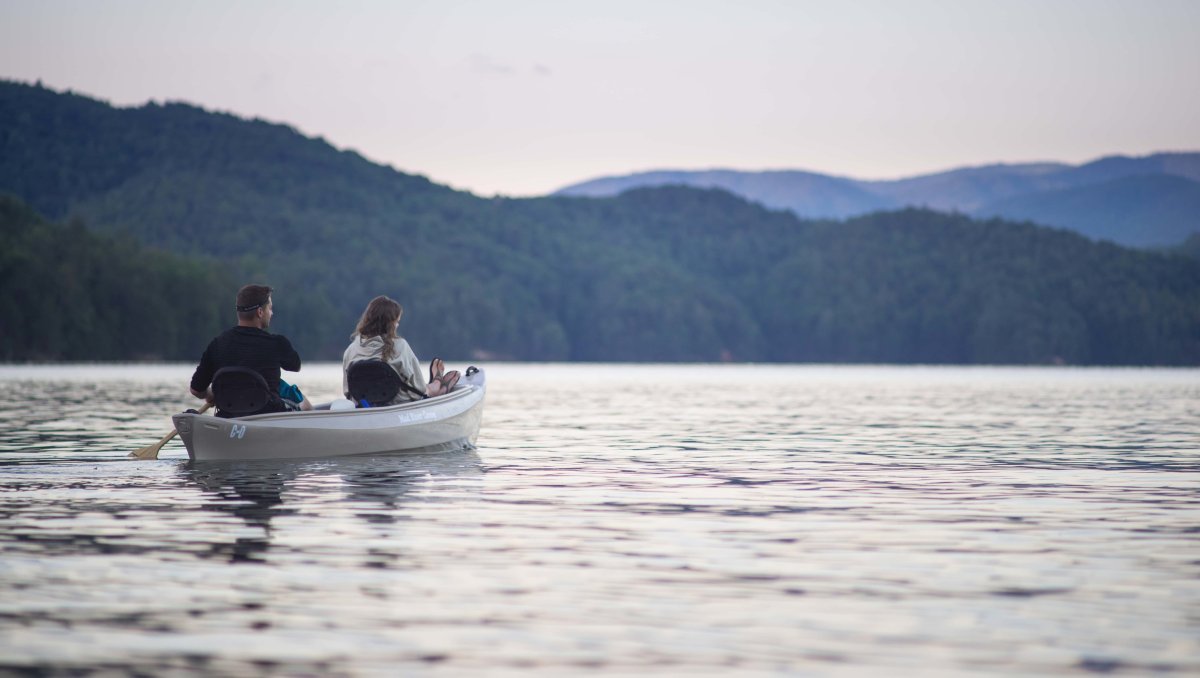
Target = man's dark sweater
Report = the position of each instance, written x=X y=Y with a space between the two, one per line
x=250 y=347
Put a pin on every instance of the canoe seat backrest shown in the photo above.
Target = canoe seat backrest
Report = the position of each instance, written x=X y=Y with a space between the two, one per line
x=239 y=391
x=373 y=382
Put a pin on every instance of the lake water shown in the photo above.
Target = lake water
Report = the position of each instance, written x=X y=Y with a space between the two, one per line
x=633 y=520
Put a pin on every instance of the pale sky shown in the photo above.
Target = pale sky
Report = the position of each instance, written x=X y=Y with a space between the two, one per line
x=521 y=97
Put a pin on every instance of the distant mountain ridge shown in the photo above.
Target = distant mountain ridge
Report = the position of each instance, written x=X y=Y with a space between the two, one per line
x=1153 y=212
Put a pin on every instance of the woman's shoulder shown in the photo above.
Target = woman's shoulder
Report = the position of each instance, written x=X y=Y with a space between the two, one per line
x=402 y=349
x=401 y=345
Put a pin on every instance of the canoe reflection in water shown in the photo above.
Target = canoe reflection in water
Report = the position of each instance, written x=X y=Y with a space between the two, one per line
x=374 y=489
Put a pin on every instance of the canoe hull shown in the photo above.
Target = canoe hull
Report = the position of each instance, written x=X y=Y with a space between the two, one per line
x=446 y=422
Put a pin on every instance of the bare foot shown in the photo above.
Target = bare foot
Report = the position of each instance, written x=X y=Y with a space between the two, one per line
x=443 y=384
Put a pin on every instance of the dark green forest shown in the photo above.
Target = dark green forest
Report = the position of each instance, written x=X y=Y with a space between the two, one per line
x=661 y=274
x=69 y=294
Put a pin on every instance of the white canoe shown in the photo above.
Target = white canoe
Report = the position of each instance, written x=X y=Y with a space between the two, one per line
x=446 y=422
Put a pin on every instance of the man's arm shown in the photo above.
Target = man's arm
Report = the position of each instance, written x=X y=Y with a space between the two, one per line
x=288 y=358
x=201 y=385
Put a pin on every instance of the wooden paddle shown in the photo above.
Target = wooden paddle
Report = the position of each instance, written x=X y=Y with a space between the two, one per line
x=151 y=451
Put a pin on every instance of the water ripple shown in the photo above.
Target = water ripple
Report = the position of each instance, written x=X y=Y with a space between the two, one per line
x=630 y=519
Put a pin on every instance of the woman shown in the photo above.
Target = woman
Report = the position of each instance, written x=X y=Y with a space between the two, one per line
x=375 y=338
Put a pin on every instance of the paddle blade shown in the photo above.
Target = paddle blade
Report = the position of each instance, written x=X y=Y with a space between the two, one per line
x=151 y=451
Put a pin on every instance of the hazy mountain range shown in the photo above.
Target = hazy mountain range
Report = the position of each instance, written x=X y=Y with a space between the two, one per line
x=1150 y=201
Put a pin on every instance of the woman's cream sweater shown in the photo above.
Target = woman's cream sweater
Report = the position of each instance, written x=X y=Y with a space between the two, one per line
x=404 y=361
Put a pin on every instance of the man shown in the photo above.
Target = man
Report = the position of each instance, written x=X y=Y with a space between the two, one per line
x=249 y=345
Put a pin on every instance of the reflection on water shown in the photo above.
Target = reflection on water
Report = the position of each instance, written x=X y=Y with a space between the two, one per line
x=631 y=519
x=373 y=486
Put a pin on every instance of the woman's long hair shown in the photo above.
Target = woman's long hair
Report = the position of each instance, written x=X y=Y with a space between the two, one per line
x=379 y=320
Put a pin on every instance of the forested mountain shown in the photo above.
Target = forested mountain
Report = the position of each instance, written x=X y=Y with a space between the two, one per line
x=672 y=273
x=69 y=294
x=1147 y=201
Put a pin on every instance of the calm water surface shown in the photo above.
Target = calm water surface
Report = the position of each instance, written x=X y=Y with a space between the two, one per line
x=663 y=520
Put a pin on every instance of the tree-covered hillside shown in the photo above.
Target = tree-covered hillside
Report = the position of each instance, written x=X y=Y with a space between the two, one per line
x=668 y=273
x=909 y=286
x=69 y=294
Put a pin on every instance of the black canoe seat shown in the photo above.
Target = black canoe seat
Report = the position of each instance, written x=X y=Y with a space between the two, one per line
x=372 y=383
x=239 y=391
